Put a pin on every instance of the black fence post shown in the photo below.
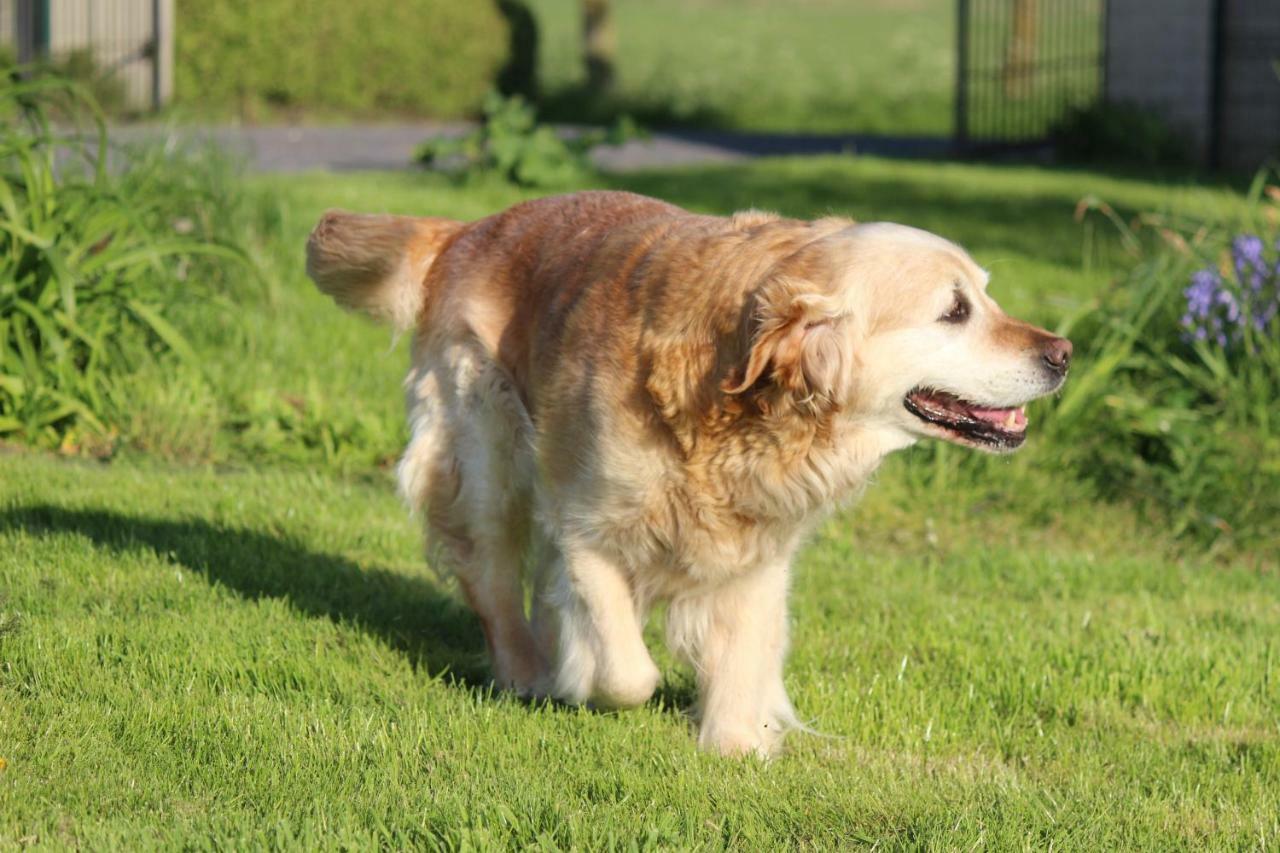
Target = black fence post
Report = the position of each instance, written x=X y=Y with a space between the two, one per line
x=960 y=130
x=1217 y=81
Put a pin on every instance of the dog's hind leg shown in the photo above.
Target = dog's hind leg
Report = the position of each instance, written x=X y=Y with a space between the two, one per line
x=491 y=583
x=468 y=467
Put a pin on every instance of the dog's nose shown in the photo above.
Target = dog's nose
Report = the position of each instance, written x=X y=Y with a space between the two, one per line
x=1057 y=355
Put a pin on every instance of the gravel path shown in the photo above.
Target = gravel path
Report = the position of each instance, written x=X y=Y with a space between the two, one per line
x=391 y=146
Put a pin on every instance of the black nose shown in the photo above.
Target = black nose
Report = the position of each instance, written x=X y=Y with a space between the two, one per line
x=1057 y=355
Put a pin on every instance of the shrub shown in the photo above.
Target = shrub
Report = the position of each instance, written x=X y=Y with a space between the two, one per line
x=423 y=57
x=1173 y=397
x=1120 y=134
x=512 y=144
x=76 y=66
x=88 y=263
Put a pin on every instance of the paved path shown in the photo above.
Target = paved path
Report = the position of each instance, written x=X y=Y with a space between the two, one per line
x=391 y=146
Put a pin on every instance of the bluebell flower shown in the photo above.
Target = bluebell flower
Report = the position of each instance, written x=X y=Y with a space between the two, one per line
x=1251 y=268
x=1204 y=284
x=1218 y=308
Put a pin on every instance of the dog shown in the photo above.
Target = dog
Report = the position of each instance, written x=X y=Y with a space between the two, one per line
x=617 y=402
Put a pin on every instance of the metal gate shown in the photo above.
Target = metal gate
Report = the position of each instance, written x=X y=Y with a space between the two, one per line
x=128 y=40
x=1023 y=65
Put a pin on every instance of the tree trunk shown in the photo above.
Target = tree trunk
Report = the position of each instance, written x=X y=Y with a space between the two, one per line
x=599 y=44
x=1019 y=63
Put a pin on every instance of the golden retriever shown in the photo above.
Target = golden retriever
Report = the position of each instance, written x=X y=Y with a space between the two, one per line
x=619 y=402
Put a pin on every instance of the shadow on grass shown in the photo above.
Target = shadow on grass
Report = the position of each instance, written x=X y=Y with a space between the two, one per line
x=969 y=213
x=410 y=614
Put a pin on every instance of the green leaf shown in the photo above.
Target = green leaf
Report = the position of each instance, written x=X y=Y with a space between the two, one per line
x=163 y=330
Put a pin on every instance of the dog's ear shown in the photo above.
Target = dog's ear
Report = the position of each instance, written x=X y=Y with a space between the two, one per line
x=798 y=340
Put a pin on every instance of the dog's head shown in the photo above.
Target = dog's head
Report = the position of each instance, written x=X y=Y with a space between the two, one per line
x=893 y=326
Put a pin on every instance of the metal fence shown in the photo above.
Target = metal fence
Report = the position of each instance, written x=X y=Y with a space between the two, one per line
x=1023 y=65
x=129 y=41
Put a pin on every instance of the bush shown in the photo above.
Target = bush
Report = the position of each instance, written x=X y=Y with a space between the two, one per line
x=88 y=264
x=79 y=67
x=1174 y=394
x=422 y=57
x=1119 y=134
x=511 y=144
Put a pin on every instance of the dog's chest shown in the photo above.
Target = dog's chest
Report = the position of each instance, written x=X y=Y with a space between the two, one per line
x=672 y=539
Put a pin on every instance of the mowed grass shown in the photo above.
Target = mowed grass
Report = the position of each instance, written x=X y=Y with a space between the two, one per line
x=195 y=659
x=243 y=652
x=871 y=66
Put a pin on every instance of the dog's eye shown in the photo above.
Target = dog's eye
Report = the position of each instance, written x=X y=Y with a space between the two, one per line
x=958 y=312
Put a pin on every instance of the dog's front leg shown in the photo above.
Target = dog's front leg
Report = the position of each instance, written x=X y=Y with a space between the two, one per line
x=735 y=635
x=600 y=650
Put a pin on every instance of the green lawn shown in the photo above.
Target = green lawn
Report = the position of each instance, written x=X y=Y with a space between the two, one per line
x=874 y=66
x=245 y=648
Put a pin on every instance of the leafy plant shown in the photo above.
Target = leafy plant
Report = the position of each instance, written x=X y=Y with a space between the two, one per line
x=1173 y=397
x=88 y=261
x=414 y=57
x=1122 y=134
x=511 y=143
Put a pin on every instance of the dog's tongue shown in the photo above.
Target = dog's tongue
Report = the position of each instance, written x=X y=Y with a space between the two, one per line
x=1009 y=419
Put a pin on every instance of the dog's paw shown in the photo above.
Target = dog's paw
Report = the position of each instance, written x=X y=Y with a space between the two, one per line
x=763 y=741
x=525 y=675
x=579 y=680
x=574 y=677
x=628 y=688
x=762 y=737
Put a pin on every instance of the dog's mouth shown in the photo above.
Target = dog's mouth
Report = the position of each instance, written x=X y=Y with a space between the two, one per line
x=963 y=422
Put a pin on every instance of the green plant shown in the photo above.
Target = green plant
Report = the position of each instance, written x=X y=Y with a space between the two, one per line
x=80 y=66
x=420 y=57
x=1122 y=134
x=1174 y=393
x=77 y=66
x=511 y=143
x=87 y=262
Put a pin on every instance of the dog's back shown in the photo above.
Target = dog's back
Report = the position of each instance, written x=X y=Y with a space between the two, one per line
x=391 y=267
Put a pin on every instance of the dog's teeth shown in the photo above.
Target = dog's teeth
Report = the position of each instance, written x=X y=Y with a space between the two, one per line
x=1011 y=419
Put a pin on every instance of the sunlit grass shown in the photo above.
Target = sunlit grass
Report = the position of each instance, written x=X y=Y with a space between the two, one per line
x=261 y=656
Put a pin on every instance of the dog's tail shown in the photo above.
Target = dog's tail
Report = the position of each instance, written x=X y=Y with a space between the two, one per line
x=377 y=264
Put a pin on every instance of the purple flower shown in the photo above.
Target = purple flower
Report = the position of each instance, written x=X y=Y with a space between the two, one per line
x=1246 y=254
x=1204 y=285
x=1219 y=308
x=1228 y=301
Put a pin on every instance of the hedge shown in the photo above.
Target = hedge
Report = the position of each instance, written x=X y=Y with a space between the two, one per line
x=433 y=58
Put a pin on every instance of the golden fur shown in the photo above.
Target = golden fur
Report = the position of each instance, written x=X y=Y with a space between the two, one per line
x=620 y=402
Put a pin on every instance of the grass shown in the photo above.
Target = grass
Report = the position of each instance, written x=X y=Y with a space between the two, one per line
x=249 y=652
x=261 y=658
x=874 y=66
